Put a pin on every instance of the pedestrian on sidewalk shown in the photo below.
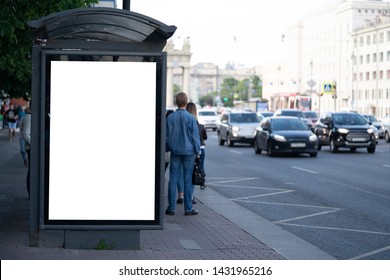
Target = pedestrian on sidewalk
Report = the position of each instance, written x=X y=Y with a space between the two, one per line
x=191 y=108
x=12 y=116
x=26 y=133
x=182 y=140
x=22 y=142
x=180 y=184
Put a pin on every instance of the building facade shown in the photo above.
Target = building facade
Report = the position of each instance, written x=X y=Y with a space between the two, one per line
x=322 y=49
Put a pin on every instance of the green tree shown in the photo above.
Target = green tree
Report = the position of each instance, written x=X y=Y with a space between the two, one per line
x=228 y=90
x=16 y=42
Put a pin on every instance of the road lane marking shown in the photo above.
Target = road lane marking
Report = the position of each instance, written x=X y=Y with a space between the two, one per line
x=261 y=195
x=386 y=165
x=305 y=170
x=340 y=229
x=371 y=253
x=234 y=180
x=236 y=152
x=307 y=216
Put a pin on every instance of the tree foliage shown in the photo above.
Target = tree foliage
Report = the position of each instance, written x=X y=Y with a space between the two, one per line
x=234 y=90
x=16 y=42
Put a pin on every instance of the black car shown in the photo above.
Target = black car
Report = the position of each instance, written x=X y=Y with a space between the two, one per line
x=345 y=130
x=285 y=135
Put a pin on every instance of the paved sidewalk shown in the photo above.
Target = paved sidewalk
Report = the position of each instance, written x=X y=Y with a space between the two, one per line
x=207 y=236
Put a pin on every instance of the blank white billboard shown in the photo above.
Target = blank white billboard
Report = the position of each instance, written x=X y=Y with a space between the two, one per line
x=102 y=140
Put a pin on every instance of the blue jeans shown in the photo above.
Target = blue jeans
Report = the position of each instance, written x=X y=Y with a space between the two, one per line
x=185 y=165
x=202 y=156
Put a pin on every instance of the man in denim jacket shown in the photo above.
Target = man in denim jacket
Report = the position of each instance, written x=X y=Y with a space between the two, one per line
x=182 y=140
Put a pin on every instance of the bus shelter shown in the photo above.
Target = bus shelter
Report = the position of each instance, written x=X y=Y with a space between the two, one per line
x=98 y=126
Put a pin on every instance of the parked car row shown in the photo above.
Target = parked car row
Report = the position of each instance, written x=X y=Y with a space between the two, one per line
x=288 y=131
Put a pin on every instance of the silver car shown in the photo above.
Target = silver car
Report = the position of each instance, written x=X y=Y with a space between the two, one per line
x=237 y=127
x=375 y=123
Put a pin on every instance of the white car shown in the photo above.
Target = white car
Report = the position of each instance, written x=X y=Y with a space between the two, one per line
x=208 y=118
x=380 y=130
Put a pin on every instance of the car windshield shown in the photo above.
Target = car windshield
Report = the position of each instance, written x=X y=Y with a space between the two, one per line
x=288 y=124
x=244 y=118
x=298 y=114
x=310 y=114
x=371 y=118
x=349 y=119
x=207 y=113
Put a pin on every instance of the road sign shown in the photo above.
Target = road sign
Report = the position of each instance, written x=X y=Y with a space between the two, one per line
x=328 y=88
x=311 y=83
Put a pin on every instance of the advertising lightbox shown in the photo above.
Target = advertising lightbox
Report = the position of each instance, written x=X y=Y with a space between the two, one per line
x=103 y=142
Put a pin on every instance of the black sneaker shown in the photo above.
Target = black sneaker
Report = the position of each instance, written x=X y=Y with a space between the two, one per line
x=193 y=201
x=169 y=212
x=191 y=213
x=180 y=200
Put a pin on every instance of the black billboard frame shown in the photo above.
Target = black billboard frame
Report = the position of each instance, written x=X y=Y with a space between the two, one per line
x=48 y=55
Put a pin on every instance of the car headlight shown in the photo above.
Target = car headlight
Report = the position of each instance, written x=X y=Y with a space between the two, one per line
x=280 y=138
x=235 y=128
x=370 y=130
x=313 y=138
x=343 y=130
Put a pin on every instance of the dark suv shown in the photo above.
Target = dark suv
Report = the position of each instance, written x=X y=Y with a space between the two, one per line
x=344 y=130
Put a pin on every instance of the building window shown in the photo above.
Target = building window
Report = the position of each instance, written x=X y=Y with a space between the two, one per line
x=361 y=59
x=374 y=57
x=381 y=74
x=368 y=40
x=387 y=93
x=367 y=58
x=381 y=37
x=361 y=76
x=361 y=41
x=367 y=76
x=388 y=74
x=388 y=56
x=388 y=36
x=374 y=75
x=354 y=76
x=381 y=57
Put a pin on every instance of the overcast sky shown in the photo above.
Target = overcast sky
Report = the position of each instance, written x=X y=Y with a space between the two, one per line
x=244 y=32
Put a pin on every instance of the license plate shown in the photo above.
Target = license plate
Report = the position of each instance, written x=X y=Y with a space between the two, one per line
x=298 y=145
x=358 y=139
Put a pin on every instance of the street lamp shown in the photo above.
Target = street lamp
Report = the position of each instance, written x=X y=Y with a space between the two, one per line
x=377 y=72
x=353 y=58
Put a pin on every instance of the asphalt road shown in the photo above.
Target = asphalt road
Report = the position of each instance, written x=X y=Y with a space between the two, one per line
x=338 y=202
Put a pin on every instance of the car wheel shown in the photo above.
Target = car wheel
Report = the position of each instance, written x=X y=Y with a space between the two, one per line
x=387 y=137
x=229 y=141
x=220 y=140
x=313 y=154
x=371 y=149
x=353 y=149
x=270 y=152
x=214 y=129
x=256 y=147
x=332 y=145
